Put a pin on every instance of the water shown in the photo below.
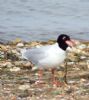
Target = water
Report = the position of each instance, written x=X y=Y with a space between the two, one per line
x=43 y=19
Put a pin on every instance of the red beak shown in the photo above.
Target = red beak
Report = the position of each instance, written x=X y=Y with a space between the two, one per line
x=70 y=43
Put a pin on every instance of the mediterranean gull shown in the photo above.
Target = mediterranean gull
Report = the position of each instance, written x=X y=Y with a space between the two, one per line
x=49 y=56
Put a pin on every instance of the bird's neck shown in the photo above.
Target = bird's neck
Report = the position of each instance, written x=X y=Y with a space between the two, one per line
x=58 y=48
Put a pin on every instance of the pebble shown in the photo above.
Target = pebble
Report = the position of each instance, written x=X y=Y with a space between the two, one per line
x=14 y=69
x=35 y=68
x=88 y=66
x=38 y=46
x=82 y=46
x=83 y=57
x=71 y=82
x=78 y=50
x=15 y=52
x=7 y=64
x=82 y=80
x=1 y=55
x=76 y=69
x=20 y=45
x=24 y=87
x=70 y=63
x=25 y=64
x=2 y=47
x=83 y=63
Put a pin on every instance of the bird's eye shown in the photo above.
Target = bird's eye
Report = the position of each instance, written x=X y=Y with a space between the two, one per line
x=64 y=38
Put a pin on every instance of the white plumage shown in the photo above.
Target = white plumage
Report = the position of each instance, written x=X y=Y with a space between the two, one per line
x=45 y=56
x=49 y=56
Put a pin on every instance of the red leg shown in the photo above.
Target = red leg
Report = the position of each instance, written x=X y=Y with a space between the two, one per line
x=40 y=74
x=54 y=79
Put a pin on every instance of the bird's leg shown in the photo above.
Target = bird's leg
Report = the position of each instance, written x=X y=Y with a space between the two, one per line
x=54 y=79
x=40 y=74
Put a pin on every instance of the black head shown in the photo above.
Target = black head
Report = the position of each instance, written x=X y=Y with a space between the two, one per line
x=61 y=40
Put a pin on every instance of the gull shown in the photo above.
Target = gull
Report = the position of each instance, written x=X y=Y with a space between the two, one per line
x=49 y=56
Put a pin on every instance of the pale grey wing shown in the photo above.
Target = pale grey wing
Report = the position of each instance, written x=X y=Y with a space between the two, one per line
x=35 y=54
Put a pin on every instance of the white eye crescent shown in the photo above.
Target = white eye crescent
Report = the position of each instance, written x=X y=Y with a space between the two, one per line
x=64 y=38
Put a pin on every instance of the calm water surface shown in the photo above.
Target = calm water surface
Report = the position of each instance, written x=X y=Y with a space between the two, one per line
x=43 y=19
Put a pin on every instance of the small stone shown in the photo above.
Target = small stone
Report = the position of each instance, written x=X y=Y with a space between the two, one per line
x=70 y=63
x=82 y=63
x=7 y=64
x=14 y=51
x=83 y=57
x=88 y=66
x=20 y=45
x=71 y=82
x=15 y=69
x=38 y=46
x=2 y=55
x=34 y=68
x=78 y=50
x=82 y=46
x=24 y=64
x=24 y=87
x=76 y=69
x=18 y=63
x=28 y=64
x=82 y=80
